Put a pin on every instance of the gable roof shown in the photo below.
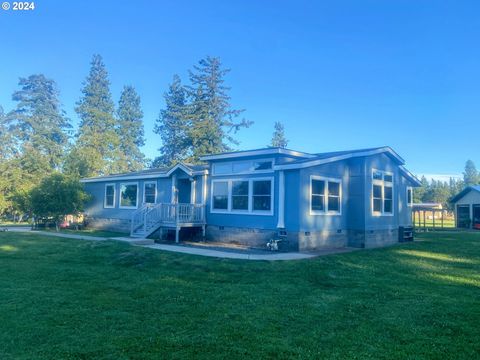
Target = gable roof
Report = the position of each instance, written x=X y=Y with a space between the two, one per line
x=464 y=192
x=151 y=173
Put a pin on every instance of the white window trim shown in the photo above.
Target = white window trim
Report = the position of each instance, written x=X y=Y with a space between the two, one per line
x=248 y=172
x=250 y=210
x=325 y=195
x=382 y=183
x=410 y=203
x=120 y=196
x=105 y=206
x=144 y=193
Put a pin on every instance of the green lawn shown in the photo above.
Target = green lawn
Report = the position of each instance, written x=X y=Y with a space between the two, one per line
x=72 y=299
x=92 y=232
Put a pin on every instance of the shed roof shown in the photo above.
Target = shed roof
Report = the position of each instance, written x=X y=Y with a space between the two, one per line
x=464 y=192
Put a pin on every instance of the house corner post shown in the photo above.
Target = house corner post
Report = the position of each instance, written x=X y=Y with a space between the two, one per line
x=281 y=200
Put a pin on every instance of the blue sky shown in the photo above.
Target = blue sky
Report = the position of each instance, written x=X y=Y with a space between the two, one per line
x=338 y=74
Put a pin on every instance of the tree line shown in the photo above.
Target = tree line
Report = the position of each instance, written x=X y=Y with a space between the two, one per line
x=38 y=141
x=435 y=191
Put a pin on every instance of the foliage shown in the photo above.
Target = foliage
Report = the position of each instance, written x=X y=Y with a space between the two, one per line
x=172 y=126
x=130 y=130
x=437 y=192
x=198 y=119
x=56 y=196
x=278 y=138
x=471 y=176
x=97 y=148
x=38 y=123
x=412 y=301
x=212 y=119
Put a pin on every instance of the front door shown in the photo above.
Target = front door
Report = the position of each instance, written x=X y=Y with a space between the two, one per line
x=184 y=191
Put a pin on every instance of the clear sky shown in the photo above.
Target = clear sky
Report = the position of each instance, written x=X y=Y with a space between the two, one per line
x=339 y=74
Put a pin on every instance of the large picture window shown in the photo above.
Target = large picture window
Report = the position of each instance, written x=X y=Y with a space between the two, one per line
x=240 y=195
x=382 y=192
x=220 y=195
x=325 y=196
x=128 y=195
x=243 y=196
x=262 y=195
x=109 y=201
x=150 y=192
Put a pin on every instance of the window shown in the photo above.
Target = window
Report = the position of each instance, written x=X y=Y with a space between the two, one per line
x=243 y=167
x=318 y=195
x=262 y=195
x=382 y=192
x=333 y=196
x=128 y=195
x=149 y=192
x=325 y=196
x=377 y=198
x=109 y=201
x=409 y=196
x=220 y=195
x=240 y=195
x=243 y=196
x=222 y=169
x=262 y=165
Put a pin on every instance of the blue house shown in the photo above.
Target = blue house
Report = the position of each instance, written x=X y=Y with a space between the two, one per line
x=359 y=198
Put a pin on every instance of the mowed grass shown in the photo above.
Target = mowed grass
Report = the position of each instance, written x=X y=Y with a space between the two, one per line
x=72 y=299
x=91 y=232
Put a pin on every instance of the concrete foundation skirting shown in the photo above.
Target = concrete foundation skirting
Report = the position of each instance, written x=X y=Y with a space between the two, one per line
x=317 y=240
x=256 y=238
x=120 y=225
x=304 y=240
x=372 y=238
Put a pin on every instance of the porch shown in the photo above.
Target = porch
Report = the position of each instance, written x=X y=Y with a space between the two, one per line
x=152 y=217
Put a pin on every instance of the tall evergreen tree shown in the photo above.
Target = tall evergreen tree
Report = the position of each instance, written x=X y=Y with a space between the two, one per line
x=130 y=130
x=278 y=138
x=38 y=122
x=470 y=175
x=212 y=121
x=97 y=148
x=7 y=144
x=172 y=126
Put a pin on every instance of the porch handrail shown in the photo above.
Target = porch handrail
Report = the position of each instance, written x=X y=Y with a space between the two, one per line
x=152 y=216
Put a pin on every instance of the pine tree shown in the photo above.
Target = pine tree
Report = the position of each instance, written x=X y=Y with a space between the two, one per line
x=212 y=121
x=38 y=122
x=172 y=126
x=130 y=130
x=470 y=175
x=7 y=144
x=278 y=138
x=97 y=148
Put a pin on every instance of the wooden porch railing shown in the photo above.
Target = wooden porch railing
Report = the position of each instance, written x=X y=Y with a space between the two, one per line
x=149 y=217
